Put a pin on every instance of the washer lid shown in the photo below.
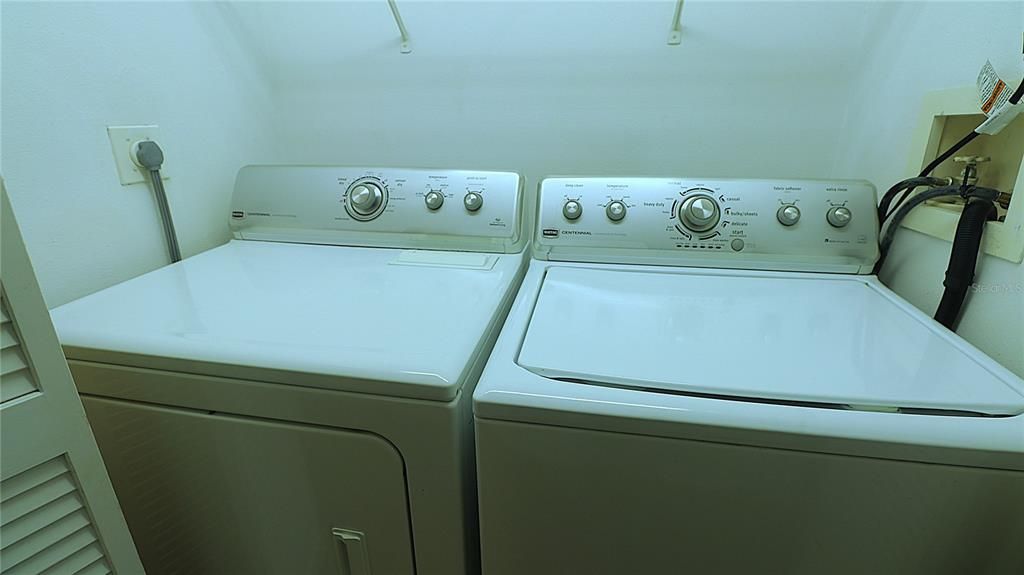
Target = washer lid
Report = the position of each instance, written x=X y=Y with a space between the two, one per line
x=371 y=320
x=835 y=341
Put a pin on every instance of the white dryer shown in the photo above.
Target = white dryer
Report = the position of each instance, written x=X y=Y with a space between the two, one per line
x=698 y=376
x=298 y=400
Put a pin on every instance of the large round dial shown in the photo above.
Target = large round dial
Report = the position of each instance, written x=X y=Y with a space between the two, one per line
x=366 y=198
x=788 y=215
x=434 y=200
x=473 y=201
x=572 y=210
x=615 y=210
x=839 y=216
x=699 y=213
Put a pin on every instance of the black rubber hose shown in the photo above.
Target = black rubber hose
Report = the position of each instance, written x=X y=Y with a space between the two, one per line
x=906 y=186
x=962 y=260
x=901 y=212
x=917 y=199
x=945 y=155
x=1017 y=94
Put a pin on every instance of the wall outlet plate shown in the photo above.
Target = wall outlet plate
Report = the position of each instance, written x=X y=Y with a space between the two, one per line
x=121 y=140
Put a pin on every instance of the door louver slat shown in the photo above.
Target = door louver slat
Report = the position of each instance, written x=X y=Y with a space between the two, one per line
x=44 y=526
x=16 y=378
x=79 y=561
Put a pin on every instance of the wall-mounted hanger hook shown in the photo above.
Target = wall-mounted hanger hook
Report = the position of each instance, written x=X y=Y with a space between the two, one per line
x=406 y=47
x=675 y=33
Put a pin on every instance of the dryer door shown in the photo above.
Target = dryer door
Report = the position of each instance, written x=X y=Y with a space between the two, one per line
x=214 y=493
x=829 y=341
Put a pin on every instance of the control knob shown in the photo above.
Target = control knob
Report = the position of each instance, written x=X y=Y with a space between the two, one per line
x=572 y=210
x=699 y=213
x=365 y=200
x=788 y=215
x=434 y=200
x=473 y=201
x=615 y=210
x=839 y=216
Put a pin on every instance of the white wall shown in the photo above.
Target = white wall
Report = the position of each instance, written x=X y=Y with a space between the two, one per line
x=882 y=118
x=70 y=70
x=565 y=87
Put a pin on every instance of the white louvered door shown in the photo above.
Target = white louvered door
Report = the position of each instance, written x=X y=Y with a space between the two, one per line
x=58 y=511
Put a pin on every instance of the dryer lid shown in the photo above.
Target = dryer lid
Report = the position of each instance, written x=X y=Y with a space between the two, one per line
x=781 y=338
x=370 y=320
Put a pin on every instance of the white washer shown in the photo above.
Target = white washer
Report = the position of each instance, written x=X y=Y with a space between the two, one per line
x=298 y=400
x=638 y=416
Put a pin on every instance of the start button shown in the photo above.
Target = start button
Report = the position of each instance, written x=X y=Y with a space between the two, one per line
x=737 y=245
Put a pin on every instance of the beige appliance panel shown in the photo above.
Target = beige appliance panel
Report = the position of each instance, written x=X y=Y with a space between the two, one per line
x=215 y=482
x=558 y=500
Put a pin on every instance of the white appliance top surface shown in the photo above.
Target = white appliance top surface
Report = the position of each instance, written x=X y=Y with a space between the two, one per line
x=406 y=323
x=815 y=339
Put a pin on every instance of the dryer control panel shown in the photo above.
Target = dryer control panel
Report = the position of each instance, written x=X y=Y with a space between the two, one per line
x=391 y=207
x=805 y=225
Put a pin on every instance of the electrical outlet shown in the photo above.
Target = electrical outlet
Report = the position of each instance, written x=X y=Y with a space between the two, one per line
x=122 y=138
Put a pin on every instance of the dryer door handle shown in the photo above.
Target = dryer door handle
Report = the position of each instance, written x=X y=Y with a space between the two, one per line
x=352 y=551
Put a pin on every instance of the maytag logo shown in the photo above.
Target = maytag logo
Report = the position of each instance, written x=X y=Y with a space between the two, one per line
x=550 y=233
x=237 y=215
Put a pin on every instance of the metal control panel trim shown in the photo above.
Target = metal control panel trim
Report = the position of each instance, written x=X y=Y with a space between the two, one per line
x=393 y=207
x=799 y=225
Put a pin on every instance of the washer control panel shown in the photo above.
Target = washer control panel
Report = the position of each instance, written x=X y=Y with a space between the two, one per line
x=809 y=225
x=441 y=209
